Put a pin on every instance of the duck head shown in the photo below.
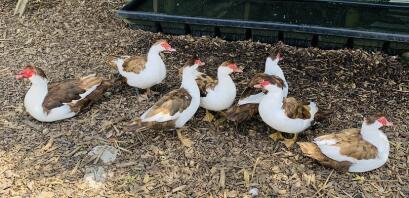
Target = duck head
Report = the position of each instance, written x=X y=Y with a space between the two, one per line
x=377 y=120
x=162 y=46
x=268 y=86
x=191 y=67
x=228 y=67
x=30 y=72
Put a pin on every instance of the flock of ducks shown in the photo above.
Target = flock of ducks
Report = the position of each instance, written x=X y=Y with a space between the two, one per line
x=354 y=150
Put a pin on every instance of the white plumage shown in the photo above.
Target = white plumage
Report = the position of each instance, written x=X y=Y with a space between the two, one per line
x=223 y=94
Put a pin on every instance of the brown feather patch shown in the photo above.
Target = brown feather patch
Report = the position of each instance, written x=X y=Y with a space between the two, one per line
x=227 y=63
x=352 y=144
x=295 y=109
x=311 y=150
x=242 y=112
x=372 y=118
x=92 y=97
x=68 y=92
x=175 y=101
x=257 y=79
x=89 y=81
x=38 y=71
x=111 y=61
x=137 y=123
x=159 y=41
x=205 y=82
x=134 y=64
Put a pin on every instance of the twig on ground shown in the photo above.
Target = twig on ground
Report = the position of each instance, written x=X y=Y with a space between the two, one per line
x=254 y=168
x=325 y=184
x=346 y=193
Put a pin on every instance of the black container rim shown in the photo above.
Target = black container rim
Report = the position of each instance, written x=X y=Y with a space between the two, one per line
x=342 y=32
x=378 y=4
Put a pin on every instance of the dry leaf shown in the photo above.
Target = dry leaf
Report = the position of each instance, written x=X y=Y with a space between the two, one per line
x=246 y=177
x=30 y=40
x=309 y=179
x=213 y=170
x=48 y=145
x=179 y=188
x=282 y=192
x=46 y=194
x=222 y=181
x=146 y=179
x=185 y=141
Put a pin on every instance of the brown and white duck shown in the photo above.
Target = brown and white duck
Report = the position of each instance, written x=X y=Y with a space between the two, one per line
x=285 y=114
x=48 y=103
x=247 y=106
x=143 y=72
x=218 y=94
x=353 y=150
x=177 y=107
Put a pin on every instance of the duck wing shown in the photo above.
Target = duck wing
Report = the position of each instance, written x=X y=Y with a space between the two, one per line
x=134 y=64
x=239 y=113
x=295 y=109
x=206 y=83
x=254 y=95
x=76 y=93
x=348 y=145
x=169 y=107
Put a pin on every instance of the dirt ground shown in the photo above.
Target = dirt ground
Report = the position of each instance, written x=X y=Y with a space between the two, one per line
x=70 y=39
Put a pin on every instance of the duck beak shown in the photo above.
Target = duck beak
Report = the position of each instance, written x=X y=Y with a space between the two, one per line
x=169 y=50
x=19 y=77
x=279 y=57
x=238 y=70
x=258 y=86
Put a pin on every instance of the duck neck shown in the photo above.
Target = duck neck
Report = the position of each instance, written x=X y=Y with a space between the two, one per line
x=189 y=83
x=154 y=57
x=274 y=97
x=223 y=77
x=38 y=90
x=119 y=64
x=372 y=134
x=272 y=68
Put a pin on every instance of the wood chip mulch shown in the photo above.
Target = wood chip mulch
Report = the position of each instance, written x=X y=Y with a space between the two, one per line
x=70 y=39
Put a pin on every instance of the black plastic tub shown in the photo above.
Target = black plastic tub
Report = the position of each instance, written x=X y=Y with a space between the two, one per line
x=372 y=25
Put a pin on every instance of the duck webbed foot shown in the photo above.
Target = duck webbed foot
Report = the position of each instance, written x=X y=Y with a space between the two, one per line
x=184 y=140
x=220 y=121
x=209 y=117
x=276 y=136
x=290 y=142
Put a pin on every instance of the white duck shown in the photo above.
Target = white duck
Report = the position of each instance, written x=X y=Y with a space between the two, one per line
x=271 y=67
x=247 y=106
x=143 y=72
x=218 y=95
x=177 y=107
x=285 y=114
x=59 y=100
x=353 y=150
